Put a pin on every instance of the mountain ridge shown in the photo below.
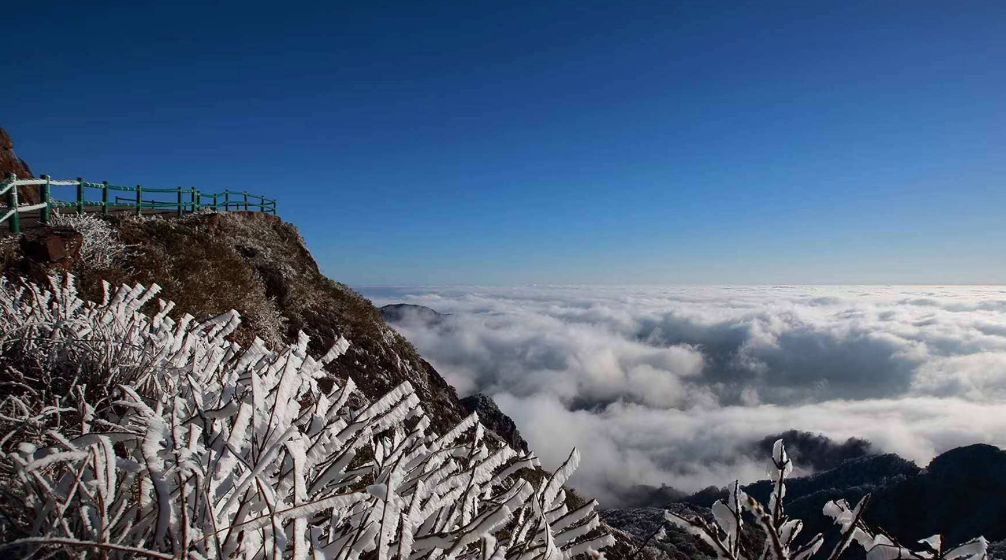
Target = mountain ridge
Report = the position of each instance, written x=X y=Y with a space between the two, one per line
x=960 y=494
x=259 y=265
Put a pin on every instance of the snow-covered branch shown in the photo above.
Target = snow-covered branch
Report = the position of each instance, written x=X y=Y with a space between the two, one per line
x=778 y=534
x=166 y=439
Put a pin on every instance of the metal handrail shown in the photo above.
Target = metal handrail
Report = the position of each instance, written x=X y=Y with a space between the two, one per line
x=186 y=200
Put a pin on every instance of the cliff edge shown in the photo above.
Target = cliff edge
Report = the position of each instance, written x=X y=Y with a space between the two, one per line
x=258 y=265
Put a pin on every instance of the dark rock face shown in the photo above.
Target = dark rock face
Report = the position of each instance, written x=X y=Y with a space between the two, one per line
x=962 y=493
x=494 y=419
x=11 y=164
x=52 y=248
x=408 y=312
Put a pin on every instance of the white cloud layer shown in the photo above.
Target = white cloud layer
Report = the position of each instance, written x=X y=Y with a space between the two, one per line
x=671 y=385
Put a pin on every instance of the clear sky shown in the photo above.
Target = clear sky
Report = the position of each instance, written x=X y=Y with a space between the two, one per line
x=548 y=142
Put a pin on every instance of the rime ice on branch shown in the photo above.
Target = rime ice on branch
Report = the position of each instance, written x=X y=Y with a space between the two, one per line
x=166 y=440
x=779 y=534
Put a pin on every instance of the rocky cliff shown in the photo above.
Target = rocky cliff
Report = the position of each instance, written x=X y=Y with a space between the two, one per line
x=10 y=164
x=259 y=265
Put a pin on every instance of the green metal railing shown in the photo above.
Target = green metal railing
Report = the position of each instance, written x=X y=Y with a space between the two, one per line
x=143 y=199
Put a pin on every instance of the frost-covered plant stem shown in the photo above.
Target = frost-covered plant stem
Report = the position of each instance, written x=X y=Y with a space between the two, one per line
x=723 y=534
x=198 y=448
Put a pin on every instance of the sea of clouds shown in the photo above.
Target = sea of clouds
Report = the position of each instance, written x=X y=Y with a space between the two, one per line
x=671 y=385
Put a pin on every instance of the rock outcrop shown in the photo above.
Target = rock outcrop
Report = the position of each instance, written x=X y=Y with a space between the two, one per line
x=208 y=264
x=55 y=249
x=259 y=265
x=494 y=419
x=11 y=164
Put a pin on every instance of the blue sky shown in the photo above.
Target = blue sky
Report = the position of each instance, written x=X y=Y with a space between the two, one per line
x=579 y=142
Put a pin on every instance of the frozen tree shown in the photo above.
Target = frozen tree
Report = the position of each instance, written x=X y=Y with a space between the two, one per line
x=777 y=534
x=880 y=546
x=163 y=439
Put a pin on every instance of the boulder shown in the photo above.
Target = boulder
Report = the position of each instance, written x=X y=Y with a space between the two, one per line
x=53 y=248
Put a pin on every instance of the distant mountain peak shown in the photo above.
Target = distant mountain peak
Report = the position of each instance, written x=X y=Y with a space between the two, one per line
x=815 y=451
x=408 y=312
x=979 y=456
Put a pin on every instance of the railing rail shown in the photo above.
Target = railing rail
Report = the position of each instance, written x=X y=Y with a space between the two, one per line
x=186 y=199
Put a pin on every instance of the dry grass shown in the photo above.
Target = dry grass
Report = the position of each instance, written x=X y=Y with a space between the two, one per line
x=259 y=265
x=10 y=252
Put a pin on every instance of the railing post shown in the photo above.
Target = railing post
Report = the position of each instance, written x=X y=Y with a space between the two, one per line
x=181 y=204
x=227 y=200
x=198 y=198
x=15 y=218
x=47 y=199
x=139 y=200
x=104 y=198
x=80 y=195
x=246 y=200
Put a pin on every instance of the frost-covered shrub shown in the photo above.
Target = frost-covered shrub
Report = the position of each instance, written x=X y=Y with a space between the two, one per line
x=56 y=350
x=197 y=448
x=9 y=250
x=101 y=241
x=779 y=535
